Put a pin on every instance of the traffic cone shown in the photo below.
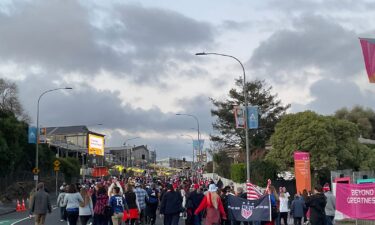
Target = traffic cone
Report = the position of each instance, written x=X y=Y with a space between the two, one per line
x=18 y=207
x=23 y=207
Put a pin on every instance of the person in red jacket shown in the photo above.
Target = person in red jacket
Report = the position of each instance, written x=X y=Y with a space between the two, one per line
x=213 y=205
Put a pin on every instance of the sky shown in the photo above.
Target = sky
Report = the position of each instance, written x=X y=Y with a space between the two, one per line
x=132 y=64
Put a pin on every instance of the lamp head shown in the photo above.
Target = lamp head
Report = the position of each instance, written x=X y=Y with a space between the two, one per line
x=69 y=88
x=200 y=53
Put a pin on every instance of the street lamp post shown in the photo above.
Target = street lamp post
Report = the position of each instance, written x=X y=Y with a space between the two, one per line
x=196 y=119
x=192 y=139
x=37 y=130
x=246 y=104
x=127 y=161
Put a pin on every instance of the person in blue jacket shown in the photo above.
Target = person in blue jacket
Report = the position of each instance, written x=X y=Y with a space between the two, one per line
x=118 y=204
x=297 y=209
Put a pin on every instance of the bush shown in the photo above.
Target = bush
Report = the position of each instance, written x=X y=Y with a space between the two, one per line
x=238 y=172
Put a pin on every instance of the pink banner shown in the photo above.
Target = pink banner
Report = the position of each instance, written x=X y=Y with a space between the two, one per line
x=356 y=201
x=368 y=49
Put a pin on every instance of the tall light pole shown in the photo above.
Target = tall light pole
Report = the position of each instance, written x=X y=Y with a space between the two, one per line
x=192 y=139
x=127 y=162
x=37 y=131
x=246 y=104
x=196 y=119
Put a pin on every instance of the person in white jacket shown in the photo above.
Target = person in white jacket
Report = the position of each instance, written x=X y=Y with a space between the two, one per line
x=284 y=209
x=60 y=204
x=86 y=210
x=72 y=200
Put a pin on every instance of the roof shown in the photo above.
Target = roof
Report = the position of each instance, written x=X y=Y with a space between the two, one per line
x=67 y=130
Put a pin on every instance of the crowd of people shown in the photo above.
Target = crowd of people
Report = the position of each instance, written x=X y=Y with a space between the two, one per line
x=135 y=201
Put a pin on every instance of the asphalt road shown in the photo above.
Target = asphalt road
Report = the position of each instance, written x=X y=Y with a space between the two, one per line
x=22 y=218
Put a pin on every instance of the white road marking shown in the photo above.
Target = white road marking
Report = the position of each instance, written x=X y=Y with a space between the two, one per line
x=26 y=218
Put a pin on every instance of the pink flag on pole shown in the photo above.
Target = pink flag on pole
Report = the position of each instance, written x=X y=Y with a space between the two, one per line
x=356 y=201
x=368 y=49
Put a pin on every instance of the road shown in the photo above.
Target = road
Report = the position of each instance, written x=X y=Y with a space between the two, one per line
x=21 y=218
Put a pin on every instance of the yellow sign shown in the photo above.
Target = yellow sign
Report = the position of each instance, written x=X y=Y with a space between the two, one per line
x=36 y=171
x=96 y=144
x=56 y=168
x=56 y=163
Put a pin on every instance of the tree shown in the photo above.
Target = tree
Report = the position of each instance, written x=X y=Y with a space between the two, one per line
x=332 y=143
x=222 y=162
x=270 y=112
x=9 y=101
x=364 y=118
x=70 y=167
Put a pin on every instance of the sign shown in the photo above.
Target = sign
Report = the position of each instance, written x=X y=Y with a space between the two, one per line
x=36 y=177
x=56 y=168
x=252 y=117
x=56 y=163
x=32 y=135
x=43 y=135
x=302 y=171
x=198 y=147
x=240 y=209
x=96 y=144
x=356 y=201
x=239 y=116
x=36 y=171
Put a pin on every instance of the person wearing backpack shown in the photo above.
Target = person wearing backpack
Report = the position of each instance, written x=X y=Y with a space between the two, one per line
x=152 y=204
x=118 y=204
x=213 y=205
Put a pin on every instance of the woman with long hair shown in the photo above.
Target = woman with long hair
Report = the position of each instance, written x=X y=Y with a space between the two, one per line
x=213 y=205
x=99 y=209
x=86 y=210
x=274 y=204
x=131 y=200
x=72 y=200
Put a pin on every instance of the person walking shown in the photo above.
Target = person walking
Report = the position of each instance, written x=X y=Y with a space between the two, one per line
x=152 y=205
x=60 y=204
x=297 y=209
x=195 y=198
x=72 y=200
x=317 y=203
x=86 y=210
x=330 y=206
x=118 y=204
x=274 y=205
x=100 y=204
x=141 y=198
x=40 y=205
x=283 y=208
x=171 y=206
x=213 y=205
x=131 y=200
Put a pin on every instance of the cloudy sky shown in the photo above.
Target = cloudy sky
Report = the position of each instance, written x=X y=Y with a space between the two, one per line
x=132 y=63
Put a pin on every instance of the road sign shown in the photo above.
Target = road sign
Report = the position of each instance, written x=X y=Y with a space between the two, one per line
x=36 y=177
x=36 y=171
x=56 y=168
x=56 y=163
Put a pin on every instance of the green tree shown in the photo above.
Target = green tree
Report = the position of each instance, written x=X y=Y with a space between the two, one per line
x=332 y=143
x=223 y=163
x=238 y=172
x=364 y=118
x=70 y=167
x=270 y=112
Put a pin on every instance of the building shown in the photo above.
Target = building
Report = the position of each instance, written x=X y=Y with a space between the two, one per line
x=174 y=163
x=129 y=156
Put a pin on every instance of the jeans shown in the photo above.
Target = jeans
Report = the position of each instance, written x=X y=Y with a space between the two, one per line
x=171 y=219
x=329 y=220
x=100 y=220
x=297 y=220
x=72 y=217
x=197 y=220
x=62 y=213
x=84 y=219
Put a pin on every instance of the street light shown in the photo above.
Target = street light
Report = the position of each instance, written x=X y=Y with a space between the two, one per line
x=196 y=119
x=37 y=130
x=246 y=104
x=192 y=139
x=127 y=161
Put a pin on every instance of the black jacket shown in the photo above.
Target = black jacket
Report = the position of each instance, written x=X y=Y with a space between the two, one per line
x=171 y=203
x=317 y=204
x=194 y=200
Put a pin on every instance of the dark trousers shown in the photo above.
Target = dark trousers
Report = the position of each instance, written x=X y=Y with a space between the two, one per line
x=171 y=219
x=297 y=220
x=62 y=213
x=100 y=220
x=284 y=217
x=84 y=219
x=329 y=220
x=72 y=217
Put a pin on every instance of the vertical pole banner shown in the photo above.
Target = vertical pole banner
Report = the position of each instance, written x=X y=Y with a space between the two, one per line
x=239 y=115
x=302 y=171
x=368 y=50
x=252 y=117
x=32 y=135
x=356 y=201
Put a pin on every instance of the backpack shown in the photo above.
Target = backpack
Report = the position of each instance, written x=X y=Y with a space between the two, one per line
x=152 y=199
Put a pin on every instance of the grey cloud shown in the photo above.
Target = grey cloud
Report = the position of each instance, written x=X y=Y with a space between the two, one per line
x=314 y=41
x=235 y=25
x=59 y=36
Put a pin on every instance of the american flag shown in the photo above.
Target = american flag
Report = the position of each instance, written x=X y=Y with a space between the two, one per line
x=253 y=192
